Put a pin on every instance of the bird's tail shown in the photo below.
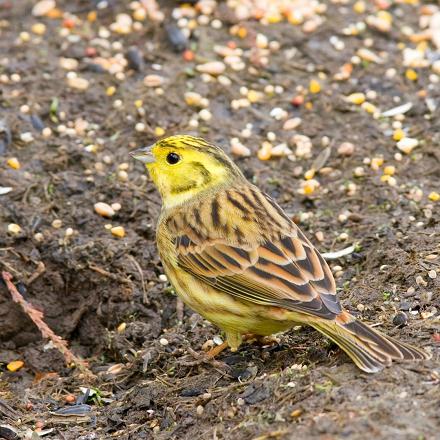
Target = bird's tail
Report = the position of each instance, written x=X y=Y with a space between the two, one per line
x=369 y=349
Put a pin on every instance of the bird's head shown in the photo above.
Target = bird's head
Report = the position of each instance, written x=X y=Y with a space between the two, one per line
x=183 y=166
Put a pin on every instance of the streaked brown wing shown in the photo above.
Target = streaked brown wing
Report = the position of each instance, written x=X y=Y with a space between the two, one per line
x=283 y=271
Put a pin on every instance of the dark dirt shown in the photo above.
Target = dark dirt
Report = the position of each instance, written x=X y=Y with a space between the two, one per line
x=304 y=387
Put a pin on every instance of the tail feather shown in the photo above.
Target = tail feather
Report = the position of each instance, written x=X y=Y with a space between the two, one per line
x=369 y=349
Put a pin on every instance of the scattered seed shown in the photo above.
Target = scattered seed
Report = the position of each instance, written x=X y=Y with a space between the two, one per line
x=13 y=163
x=118 y=231
x=163 y=341
x=346 y=149
x=14 y=229
x=104 y=210
x=406 y=144
x=153 y=80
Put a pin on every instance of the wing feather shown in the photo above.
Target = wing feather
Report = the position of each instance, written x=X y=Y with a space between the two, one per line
x=274 y=265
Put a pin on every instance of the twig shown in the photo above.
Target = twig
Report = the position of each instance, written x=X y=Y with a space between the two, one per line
x=37 y=317
x=145 y=299
x=107 y=274
x=41 y=268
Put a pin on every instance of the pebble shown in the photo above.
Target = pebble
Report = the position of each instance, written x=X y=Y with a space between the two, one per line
x=400 y=319
x=104 y=210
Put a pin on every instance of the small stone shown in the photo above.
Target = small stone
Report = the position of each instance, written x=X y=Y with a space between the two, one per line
x=400 y=319
x=104 y=210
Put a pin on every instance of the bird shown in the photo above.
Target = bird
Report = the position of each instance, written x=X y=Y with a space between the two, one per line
x=235 y=257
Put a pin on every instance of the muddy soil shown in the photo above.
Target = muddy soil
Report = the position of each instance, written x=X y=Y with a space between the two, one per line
x=105 y=295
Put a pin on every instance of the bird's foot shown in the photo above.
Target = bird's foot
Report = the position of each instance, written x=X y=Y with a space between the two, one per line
x=205 y=358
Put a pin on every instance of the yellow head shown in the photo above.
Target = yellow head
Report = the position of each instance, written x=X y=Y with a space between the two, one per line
x=182 y=166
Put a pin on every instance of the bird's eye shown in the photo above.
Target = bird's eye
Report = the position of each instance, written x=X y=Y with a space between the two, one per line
x=173 y=158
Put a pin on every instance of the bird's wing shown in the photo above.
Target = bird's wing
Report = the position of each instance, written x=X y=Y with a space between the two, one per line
x=242 y=243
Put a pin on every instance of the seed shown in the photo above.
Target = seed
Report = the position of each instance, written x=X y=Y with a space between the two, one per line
x=27 y=137
x=398 y=134
x=15 y=366
x=13 y=163
x=292 y=123
x=200 y=410
x=261 y=41
x=70 y=398
x=39 y=237
x=205 y=115
x=78 y=83
x=389 y=170
x=163 y=341
x=57 y=223
x=434 y=196
x=239 y=149
x=432 y=274
x=69 y=232
x=356 y=98
x=376 y=163
x=359 y=172
x=43 y=7
x=319 y=236
x=14 y=229
x=139 y=14
x=314 y=86
x=411 y=74
x=406 y=144
x=139 y=127
x=39 y=28
x=369 y=108
x=359 y=7
x=278 y=113
x=212 y=67
x=153 y=80
x=104 y=209
x=265 y=152
x=118 y=231
x=309 y=174
x=194 y=99
x=346 y=149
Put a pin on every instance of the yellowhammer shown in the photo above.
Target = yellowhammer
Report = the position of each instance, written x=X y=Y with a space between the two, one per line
x=236 y=258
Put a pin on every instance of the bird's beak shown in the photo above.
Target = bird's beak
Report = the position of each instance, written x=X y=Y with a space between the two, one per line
x=143 y=154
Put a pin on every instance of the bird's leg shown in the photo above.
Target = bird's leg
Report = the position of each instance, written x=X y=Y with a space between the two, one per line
x=233 y=340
